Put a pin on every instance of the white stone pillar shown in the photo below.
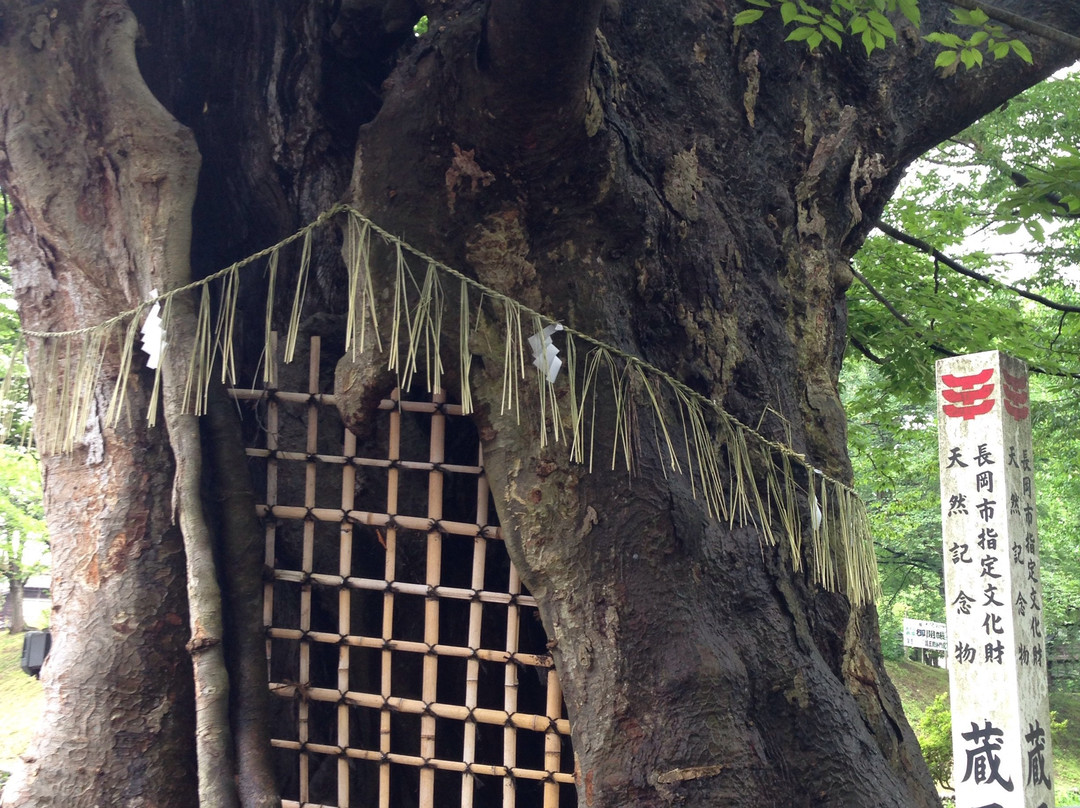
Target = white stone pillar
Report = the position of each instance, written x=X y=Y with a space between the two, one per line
x=993 y=593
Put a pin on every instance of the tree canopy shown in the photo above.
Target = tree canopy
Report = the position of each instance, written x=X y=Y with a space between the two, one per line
x=980 y=250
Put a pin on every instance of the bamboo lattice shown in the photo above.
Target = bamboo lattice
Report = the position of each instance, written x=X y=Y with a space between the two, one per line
x=402 y=648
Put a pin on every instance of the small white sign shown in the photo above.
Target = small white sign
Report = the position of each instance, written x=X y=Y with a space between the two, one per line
x=925 y=634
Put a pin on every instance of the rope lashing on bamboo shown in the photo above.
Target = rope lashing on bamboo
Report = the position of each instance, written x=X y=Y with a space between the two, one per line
x=841 y=545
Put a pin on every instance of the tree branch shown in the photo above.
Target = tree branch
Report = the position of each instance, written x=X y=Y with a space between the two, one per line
x=937 y=347
x=242 y=547
x=924 y=247
x=880 y=298
x=895 y=312
x=939 y=107
x=545 y=45
x=861 y=348
x=534 y=62
x=1022 y=23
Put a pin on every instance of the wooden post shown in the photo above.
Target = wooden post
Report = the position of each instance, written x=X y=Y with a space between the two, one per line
x=993 y=593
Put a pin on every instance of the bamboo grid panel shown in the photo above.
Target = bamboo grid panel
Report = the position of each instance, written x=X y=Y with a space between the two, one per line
x=423 y=713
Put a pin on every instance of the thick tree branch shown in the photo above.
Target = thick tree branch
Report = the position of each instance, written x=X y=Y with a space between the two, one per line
x=956 y=266
x=534 y=65
x=1023 y=23
x=242 y=547
x=544 y=46
x=935 y=106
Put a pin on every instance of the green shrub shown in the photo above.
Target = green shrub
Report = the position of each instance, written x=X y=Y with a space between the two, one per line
x=935 y=737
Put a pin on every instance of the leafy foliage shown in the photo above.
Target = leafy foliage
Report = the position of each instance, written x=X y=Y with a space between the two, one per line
x=987 y=38
x=935 y=738
x=980 y=198
x=23 y=542
x=869 y=21
x=934 y=731
x=14 y=400
x=865 y=19
x=23 y=535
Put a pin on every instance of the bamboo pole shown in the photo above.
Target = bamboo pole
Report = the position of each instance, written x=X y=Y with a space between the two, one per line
x=429 y=682
x=476 y=615
x=348 y=495
x=438 y=764
x=510 y=692
x=272 y=433
x=421 y=523
x=552 y=739
x=307 y=564
x=386 y=682
x=406 y=706
x=413 y=647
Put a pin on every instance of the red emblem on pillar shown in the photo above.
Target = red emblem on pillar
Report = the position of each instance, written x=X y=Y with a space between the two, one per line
x=968 y=396
x=1015 y=389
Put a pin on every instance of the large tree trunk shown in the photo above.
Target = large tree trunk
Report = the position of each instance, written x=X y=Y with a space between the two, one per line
x=102 y=178
x=695 y=203
x=639 y=170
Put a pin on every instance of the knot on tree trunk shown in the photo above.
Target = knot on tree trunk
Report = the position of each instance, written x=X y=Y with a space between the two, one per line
x=198 y=644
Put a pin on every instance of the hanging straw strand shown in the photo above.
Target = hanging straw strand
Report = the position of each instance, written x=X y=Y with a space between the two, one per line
x=841 y=538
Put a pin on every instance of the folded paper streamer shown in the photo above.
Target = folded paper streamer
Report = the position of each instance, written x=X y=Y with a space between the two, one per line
x=545 y=354
x=152 y=333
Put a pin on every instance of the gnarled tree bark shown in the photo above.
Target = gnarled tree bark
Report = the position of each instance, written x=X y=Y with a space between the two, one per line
x=640 y=170
x=102 y=179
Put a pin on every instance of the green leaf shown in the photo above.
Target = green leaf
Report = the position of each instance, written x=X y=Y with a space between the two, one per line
x=1009 y=228
x=944 y=39
x=859 y=24
x=748 y=16
x=1000 y=50
x=800 y=34
x=946 y=58
x=814 y=40
x=882 y=24
x=910 y=9
x=868 y=41
x=978 y=38
x=788 y=12
x=833 y=36
x=760 y=3
x=975 y=18
x=421 y=26
x=970 y=57
x=1021 y=50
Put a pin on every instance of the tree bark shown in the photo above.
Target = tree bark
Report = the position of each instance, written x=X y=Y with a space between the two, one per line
x=14 y=605
x=243 y=549
x=100 y=178
x=698 y=209
x=643 y=171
